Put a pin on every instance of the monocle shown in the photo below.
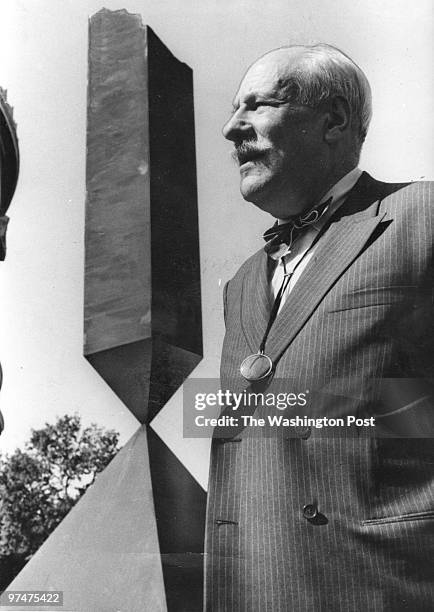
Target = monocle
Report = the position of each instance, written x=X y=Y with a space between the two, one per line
x=256 y=367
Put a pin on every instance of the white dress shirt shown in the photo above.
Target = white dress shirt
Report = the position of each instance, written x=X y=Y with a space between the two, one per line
x=299 y=251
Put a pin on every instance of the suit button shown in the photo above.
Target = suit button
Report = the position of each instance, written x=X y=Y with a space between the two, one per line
x=304 y=432
x=310 y=511
x=220 y=522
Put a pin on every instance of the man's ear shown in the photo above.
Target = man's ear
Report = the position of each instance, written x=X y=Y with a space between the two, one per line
x=338 y=119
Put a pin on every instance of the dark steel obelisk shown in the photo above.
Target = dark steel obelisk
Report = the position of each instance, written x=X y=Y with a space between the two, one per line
x=143 y=328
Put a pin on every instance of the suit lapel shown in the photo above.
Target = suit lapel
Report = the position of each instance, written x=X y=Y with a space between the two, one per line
x=345 y=240
x=255 y=301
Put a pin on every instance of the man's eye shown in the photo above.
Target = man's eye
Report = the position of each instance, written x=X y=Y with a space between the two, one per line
x=252 y=106
x=264 y=104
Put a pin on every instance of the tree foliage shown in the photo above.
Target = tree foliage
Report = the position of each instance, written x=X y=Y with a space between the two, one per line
x=40 y=484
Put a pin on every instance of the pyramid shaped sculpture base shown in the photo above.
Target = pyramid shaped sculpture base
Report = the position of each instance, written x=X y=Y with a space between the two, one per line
x=104 y=555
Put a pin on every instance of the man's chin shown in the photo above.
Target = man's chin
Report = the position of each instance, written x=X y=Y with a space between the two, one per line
x=262 y=198
x=257 y=193
x=252 y=190
x=260 y=202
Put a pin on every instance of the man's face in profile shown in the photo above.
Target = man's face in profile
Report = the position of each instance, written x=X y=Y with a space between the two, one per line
x=277 y=143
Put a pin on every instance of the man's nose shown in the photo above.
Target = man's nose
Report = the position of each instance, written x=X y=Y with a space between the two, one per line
x=237 y=127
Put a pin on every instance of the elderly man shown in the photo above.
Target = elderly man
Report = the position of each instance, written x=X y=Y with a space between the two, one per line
x=338 y=303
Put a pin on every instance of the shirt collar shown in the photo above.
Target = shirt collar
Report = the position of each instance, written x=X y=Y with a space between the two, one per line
x=338 y=193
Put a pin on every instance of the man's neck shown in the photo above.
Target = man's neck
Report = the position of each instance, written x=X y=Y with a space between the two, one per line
x=335 y=189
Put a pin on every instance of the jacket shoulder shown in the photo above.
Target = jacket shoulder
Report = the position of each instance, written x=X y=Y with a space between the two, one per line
x=413 y=202
x=397 y=198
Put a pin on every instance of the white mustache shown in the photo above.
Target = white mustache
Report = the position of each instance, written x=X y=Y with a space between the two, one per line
x=246 y=151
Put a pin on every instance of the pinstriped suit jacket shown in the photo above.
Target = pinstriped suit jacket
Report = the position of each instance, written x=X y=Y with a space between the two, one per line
x=361 y=310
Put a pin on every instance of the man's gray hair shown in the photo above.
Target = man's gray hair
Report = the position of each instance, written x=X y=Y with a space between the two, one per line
x=325 y=71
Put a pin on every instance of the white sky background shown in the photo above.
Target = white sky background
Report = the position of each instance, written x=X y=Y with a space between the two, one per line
x=43 y=64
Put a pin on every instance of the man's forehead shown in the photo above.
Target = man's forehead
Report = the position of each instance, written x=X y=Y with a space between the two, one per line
x=269 y=73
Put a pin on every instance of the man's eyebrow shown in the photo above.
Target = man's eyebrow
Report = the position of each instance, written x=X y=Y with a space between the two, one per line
x=261 y=98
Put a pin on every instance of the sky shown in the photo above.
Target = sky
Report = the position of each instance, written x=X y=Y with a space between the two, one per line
x=43 y=65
